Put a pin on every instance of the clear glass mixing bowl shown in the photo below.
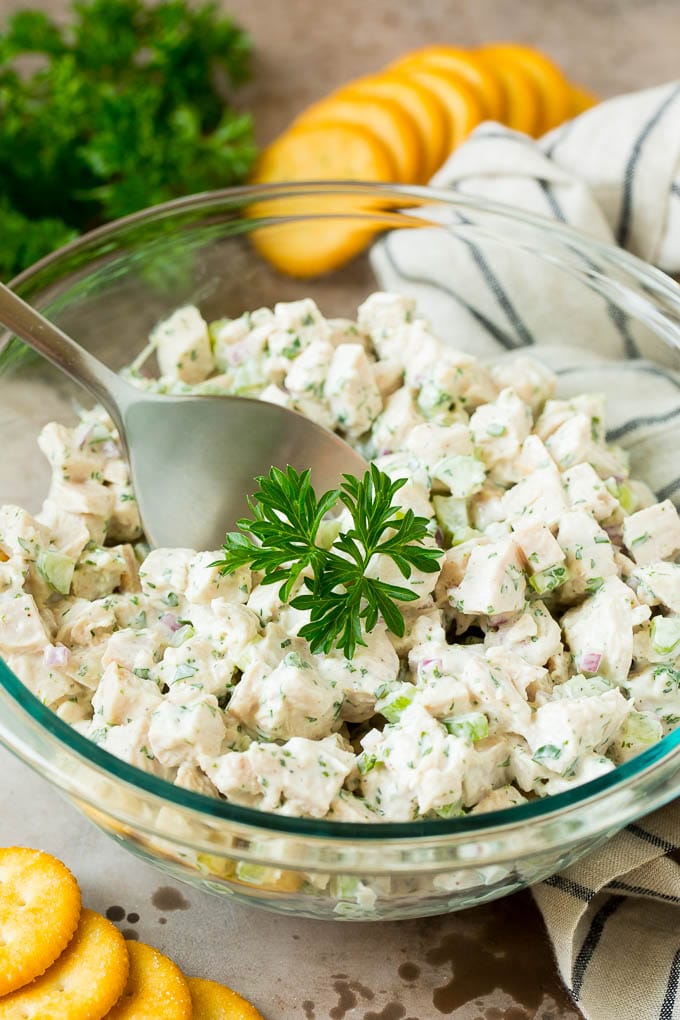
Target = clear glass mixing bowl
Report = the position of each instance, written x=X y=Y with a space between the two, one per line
x=107 y=290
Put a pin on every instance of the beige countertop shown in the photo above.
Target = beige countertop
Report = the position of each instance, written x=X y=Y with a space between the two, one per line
x=491 y=963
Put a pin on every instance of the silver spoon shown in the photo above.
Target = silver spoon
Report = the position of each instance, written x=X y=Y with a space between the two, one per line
x=193 y=459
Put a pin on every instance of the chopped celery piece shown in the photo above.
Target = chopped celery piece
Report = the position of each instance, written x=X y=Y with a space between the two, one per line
x=185 y=632
x=665 y=633
x=345 y=887
x=254 y=874
x=248 y=379
x=640 y=730
x=57 y=570
x=366 y=763
x=450 y=811
x=395 y=701
x=463 y=475
x=452 y=516
x=547 y=580
x=548 y=752
x=580 y=686
x=247 y=655
x=472 y=726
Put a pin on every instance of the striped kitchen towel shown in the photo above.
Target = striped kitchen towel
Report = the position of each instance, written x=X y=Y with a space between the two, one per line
x=613 y=173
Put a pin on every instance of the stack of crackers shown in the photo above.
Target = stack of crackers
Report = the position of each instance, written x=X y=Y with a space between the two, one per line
x=60 y=961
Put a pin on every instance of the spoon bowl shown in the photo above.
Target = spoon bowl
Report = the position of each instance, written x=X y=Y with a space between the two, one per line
x=193 y=459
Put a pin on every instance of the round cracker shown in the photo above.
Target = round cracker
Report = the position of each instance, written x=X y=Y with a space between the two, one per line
x=217 y=1002
x=156 y=988
x=39 y=911
x=83 y=984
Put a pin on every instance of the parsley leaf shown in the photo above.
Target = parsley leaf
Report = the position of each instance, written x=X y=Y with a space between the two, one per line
x=128 y=106
x=281 y=541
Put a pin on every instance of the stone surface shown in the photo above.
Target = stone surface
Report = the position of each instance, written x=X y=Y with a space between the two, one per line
x=492 y=963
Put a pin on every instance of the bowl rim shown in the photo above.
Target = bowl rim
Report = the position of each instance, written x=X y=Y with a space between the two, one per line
x=488 y=824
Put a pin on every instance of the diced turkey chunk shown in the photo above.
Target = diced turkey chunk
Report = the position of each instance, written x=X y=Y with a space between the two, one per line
x=124 y=695
x=300 y=777
x=399 y=417
x=534 y=635
x=564 y=730
x=586 y=491
x=89 y=497
x=599 y=632
x=68 y=452
x=538 y=546
x=588 y=551
x=302 y=318
x=437 y=764
x=308 y=372
x=21 y=626
x=293 y=699
x=659 y=583
x=540 y=497
x=500 y=428
x=455 y=381
x=101 y=571
x=494 y=581
x=381 y=314
x=165 y=571
x=653 y=533
x=497 y=800
x=432 y=444
x=388 y=376
x=182 y=345
x=20 y=534
x=351 y=391
x=68 y=532
x=205 y=582
x=181 y=730
x=532 y=382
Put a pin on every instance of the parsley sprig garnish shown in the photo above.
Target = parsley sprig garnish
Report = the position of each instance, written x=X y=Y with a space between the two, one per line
x=282 y=541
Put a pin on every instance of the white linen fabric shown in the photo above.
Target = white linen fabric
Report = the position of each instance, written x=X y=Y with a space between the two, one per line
x=613 y=173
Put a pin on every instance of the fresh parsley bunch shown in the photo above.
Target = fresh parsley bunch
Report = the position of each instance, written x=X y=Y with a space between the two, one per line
x=282 y=541
x=127 y=107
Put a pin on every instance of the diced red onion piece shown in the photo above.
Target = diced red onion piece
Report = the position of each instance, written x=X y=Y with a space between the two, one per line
x=590 y=662
x=87 y=435
x=56 y=655
x=437 y=663
x=171 y=622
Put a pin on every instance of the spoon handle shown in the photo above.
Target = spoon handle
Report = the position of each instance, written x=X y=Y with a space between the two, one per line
x=47 y=339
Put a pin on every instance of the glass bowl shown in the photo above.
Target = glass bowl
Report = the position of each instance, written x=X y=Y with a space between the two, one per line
x=108 y=289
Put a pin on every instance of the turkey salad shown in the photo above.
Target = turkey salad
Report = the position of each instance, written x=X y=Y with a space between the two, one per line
x=544 y=653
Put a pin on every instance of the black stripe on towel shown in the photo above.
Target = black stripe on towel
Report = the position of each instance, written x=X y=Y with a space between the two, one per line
x=499 y=335
x=575 y=889
x=675 y=188
x=649 y=837
x=591 y=941
x=499 y=293
x=667 y=490
x=621 y=366
x=669 y=999
x=631 y=166
x=616 y=314
x=561 y=133
x=613 y=435
x=641 y=890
